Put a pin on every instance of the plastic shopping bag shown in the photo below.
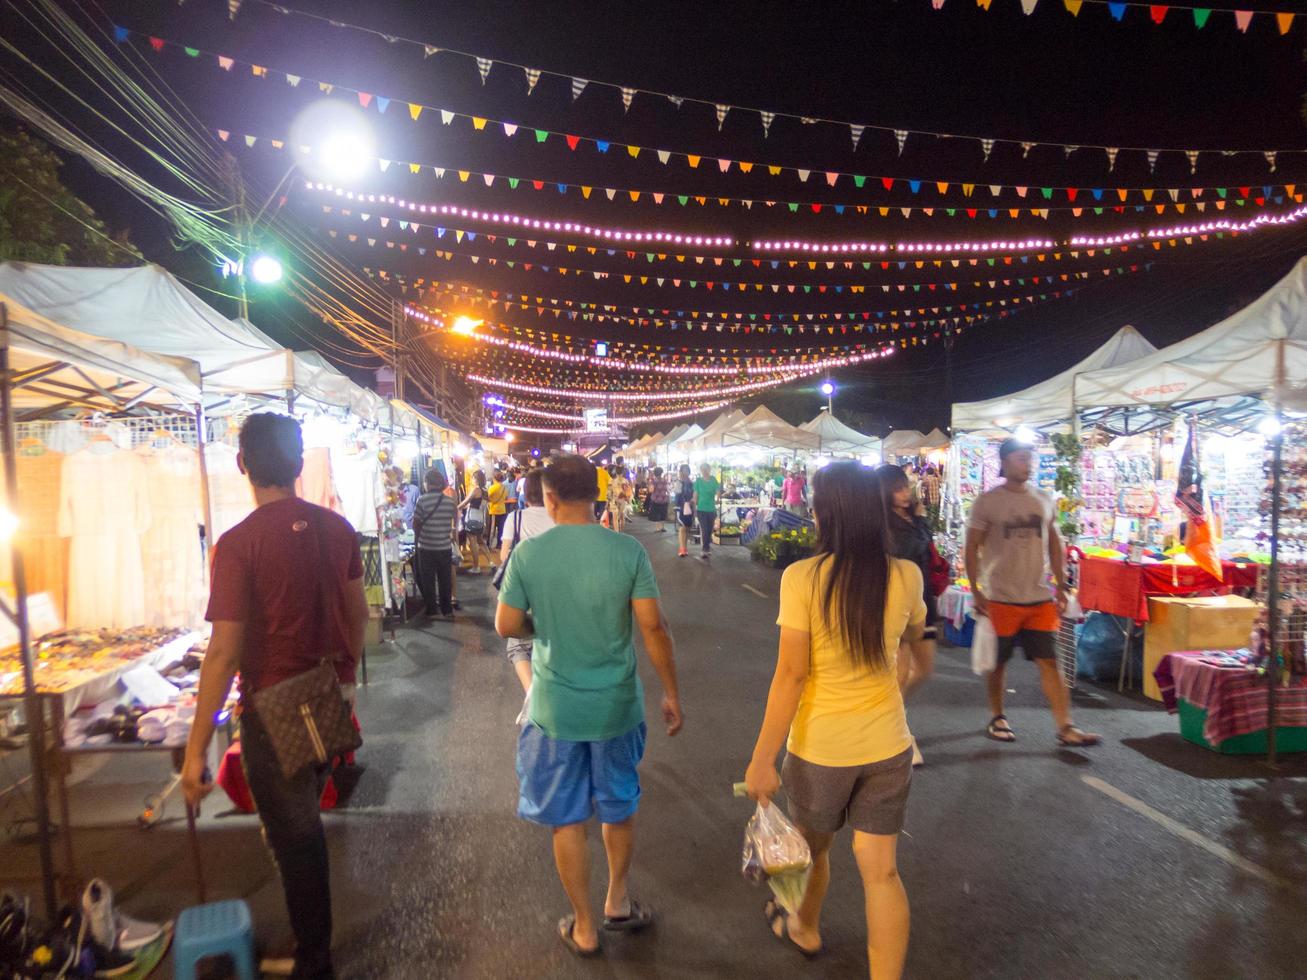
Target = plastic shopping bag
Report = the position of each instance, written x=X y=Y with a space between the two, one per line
x=984 y=647
x=775 y=852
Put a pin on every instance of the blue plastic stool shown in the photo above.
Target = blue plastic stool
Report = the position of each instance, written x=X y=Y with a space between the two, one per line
x=216 y=929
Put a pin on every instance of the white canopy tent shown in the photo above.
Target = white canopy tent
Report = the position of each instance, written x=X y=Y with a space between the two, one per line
x=149 y=309
x=838 y=439
x=53 y=368
x=764 y=429
x=935 y=439
x=903 y=442
x=1251 y=352
x=1051 y=400
x=709 y=438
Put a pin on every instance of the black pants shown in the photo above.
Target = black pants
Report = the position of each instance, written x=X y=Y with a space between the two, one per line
x=707 y=521
x=435 y=569
x=292 y=828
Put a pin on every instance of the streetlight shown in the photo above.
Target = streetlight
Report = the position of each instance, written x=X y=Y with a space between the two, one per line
x=465 y=325
x=828 y=389
x=265 y=269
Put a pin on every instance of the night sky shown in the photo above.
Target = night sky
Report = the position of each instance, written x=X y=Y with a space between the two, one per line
x=1047 y=77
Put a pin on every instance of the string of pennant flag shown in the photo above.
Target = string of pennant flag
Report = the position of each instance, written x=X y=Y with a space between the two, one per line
x=416 y=109
x=720 y=111
x=1283 y=20
x=1195 y=196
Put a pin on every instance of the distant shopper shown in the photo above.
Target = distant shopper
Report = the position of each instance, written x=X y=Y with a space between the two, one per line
x=685 y=513
x=510 y=493
x=433 y=528
x=578 y=590
x=601 y=496
x=835 y=694
x=794 y=493
x=658 y=497
x=706 y=492
x=287 y=593
x=495 y=495
x=531 y=522
x=909 y=537
x=1012 y=540
x=619 y=498
x=476 y=515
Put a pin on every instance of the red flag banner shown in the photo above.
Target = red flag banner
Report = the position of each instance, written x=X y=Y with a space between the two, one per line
x=1189 y=498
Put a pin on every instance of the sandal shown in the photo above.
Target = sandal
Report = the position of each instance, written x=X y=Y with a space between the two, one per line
x=1072 y=737
x=1003 y=733
x=639 y=918
x=565 y=926
x=773 y=910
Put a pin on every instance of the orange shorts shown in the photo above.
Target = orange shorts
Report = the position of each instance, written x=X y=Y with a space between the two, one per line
x=1032 y=628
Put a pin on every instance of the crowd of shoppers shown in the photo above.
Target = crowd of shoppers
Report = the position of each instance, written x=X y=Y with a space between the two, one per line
x=856 y=638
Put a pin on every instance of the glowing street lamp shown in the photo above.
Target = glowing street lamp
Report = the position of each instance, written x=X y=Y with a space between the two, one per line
x=265 y=269
x=465 y=325
x=828 y=389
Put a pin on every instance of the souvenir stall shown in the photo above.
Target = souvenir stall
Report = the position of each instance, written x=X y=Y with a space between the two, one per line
x=104 y=506
x=1238 y=371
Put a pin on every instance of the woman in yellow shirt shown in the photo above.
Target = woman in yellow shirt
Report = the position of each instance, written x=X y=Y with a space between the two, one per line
x=835 y=693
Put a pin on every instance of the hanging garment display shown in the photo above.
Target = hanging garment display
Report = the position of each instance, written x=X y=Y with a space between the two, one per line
x=317 y=482
x=173 y=560
x=104 y=507
x=358 y=486
x=45 y=553
x=230 y=498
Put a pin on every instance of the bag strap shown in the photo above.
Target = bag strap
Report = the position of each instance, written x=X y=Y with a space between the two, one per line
x=321 y=596
x=517 y=530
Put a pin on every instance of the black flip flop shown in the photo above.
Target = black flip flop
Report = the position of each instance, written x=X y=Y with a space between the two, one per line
x=565 y=926
x=640 y=918
x=1005 y=734
x=773 y=910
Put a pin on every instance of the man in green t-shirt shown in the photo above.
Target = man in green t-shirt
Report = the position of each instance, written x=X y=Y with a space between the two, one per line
x=706 y=491
x=577 y=590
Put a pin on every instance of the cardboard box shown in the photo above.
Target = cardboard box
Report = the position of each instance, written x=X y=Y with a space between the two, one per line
x=1222 y=622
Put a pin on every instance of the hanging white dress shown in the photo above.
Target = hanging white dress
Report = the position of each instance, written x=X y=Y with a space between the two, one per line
x=104 y=507
x=231 y=498
x=174 y=563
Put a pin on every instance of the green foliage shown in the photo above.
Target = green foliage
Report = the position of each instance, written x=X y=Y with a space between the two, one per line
x=40 y=219
x=1066 y=482
x=780 y=548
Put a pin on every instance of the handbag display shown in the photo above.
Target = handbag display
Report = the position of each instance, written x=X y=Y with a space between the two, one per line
x=307 y=719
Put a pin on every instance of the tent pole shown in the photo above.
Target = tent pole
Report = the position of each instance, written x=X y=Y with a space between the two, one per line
x=31 y=698
x=1273 y=594
x=206 y=503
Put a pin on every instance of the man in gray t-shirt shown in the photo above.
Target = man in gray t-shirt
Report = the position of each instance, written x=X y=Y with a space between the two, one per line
x=1012 y=539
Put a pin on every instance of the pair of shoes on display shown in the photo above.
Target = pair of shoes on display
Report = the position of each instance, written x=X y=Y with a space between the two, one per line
x=115 y=938
x=14 y=932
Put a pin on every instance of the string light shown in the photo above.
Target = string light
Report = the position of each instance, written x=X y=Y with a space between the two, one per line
x=496 y=402
x=913 y=248
x=651 y=396
x=527 y=223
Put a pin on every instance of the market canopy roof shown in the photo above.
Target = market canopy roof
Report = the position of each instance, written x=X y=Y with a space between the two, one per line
x=836 y=437
x=903 y=442
x=764 y=429
x=54 y=368
x=149 y=309
x=1050 y=400
x=1245 y=354
x=710 y=437
x=935 y=439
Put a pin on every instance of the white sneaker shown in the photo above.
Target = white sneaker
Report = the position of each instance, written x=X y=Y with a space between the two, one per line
x=917 y=759
x=114 y=930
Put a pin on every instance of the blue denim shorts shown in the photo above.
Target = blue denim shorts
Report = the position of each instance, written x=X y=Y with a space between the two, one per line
x=561 y=782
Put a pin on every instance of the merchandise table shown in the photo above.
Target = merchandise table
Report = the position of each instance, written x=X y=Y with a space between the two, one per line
x=1122 y=588
x=955 y=605
x=87 y=688
x=1233 y=698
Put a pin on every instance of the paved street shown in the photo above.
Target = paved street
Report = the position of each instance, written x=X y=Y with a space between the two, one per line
x=1020 y=861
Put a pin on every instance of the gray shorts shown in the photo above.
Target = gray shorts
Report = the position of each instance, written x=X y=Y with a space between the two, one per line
x=519 y=651
x=870 y=798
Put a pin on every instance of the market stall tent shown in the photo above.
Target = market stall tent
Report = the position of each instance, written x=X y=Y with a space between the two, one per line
x=1051 y=400
x=838 y=438
x=709 y=438
x=149 y=309
x=764 y=429
x=903 y=442
x=935 y=439
x=1248 y=353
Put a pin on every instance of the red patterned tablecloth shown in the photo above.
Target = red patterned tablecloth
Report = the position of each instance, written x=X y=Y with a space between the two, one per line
x=1122 y=588
x=1234 y=698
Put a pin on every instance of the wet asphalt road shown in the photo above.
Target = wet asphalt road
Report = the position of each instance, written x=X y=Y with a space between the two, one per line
x=1015 y=863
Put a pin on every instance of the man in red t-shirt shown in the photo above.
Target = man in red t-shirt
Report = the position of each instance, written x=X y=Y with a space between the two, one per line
x=287 y=592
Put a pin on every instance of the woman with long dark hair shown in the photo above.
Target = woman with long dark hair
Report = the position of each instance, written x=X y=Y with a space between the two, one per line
x=835 y=694
x=910 y=538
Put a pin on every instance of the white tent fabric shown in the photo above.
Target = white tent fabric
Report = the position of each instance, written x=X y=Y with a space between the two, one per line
x=1049 y=401
x=935 y=439
x=683 y=442
x=37 y=343
x=149 y=309
x=838 y=438
x=710 y=437
x=1244 y=354
x=764 y=429
x=903 y=442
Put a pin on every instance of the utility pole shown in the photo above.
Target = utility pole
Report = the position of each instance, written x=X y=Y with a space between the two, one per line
x=396 y=338
x=241 y=218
